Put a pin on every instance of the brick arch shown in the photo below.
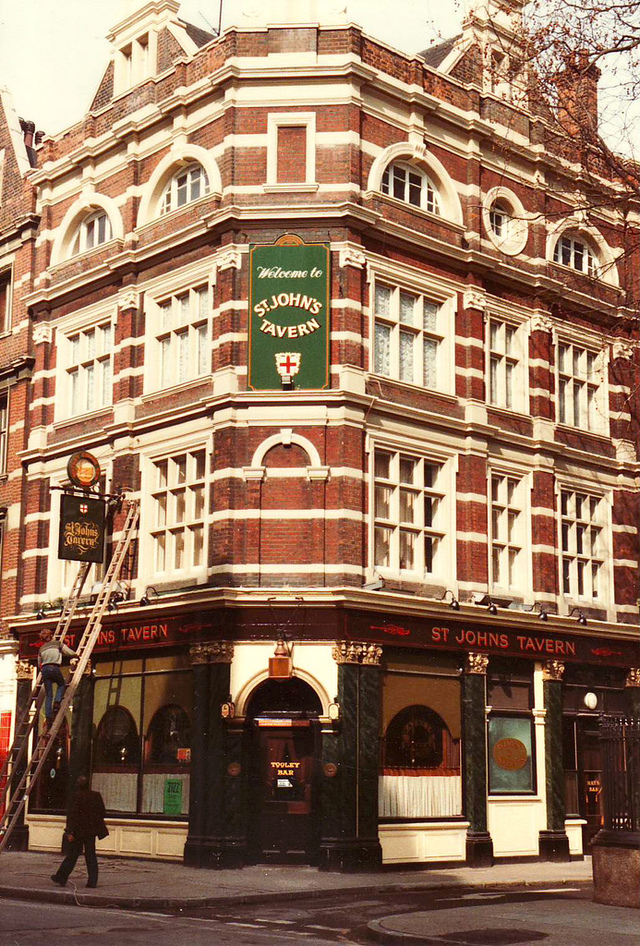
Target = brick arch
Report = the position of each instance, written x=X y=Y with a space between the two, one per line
x=286 y=438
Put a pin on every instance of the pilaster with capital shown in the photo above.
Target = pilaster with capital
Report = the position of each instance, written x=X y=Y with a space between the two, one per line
x=632 y=687
x=553 y=842
x=350 y=808
x=474 y=700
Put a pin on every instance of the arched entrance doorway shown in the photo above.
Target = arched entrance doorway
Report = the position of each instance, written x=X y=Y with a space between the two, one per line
x=283 y=716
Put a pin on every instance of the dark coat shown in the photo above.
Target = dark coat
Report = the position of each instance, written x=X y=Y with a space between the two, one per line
x=86 y=818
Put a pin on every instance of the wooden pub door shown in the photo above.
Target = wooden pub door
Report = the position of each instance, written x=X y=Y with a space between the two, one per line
x=284 y=816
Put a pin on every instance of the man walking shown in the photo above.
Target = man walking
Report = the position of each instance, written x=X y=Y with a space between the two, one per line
x=85 y=823
x=50 y=664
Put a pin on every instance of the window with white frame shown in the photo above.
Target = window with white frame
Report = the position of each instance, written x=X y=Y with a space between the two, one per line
x=187 y=185
x=408 y=183
x=583 y=532
x=506 y=376
x=88 y=368
x=182 y=336
x=569 y=251
x=409 y=499
x=93 y=231
x=580 y=380
x=178 y=495
x=4 y=430
x=507 y=532
x=409 y=337
x=5 y=301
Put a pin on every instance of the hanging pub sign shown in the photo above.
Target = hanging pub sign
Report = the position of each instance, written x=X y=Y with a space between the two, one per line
x=82 y=528
x=83 y=469
x=289 y=315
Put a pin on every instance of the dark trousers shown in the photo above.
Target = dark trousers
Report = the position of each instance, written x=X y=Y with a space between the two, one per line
x=73 y=853
x=52 y=673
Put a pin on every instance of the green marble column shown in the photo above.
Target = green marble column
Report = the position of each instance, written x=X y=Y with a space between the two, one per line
x=350 y=797
x=19 y=840
x=554 y=843
x=219 y=849
x=193 y=849
x=632 y=687
x=81 y=731
x=474 y=700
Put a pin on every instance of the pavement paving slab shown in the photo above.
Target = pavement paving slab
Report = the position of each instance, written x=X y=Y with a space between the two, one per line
x=140 y=884
x=551 y=922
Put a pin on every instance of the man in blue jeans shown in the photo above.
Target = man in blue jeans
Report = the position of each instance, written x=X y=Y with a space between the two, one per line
x=50 y=664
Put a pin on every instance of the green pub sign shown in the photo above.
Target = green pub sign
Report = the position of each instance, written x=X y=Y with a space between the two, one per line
x=289 y=315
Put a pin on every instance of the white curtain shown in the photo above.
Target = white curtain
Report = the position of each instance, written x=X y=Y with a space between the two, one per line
x=426 y=796
x=119 y=790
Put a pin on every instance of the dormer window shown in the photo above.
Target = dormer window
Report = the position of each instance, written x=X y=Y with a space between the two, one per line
x=94 y=230
x=134 y=62
x=184 y=187
x=411 y=185
x=575 y=253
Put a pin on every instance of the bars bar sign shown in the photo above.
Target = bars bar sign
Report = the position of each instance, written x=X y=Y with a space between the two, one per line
x=289 y=315
x=82 y=529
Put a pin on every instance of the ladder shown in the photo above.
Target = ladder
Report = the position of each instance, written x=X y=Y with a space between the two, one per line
x=27 y=783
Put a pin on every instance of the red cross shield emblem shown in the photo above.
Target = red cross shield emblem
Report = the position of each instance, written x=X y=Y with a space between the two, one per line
x=84 y=508
x=288 y=363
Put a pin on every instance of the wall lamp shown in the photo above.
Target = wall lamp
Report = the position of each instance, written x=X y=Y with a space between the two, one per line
x=454 y=604
x=41 y=614
x=145 y=600
x=582 y=618
x=115 y=598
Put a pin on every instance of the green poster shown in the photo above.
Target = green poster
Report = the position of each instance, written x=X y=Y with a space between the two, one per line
x=172 y=796
x=289 y=315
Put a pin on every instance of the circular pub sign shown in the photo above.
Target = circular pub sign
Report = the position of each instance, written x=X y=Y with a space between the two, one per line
x=83 y=469
x=510 y=754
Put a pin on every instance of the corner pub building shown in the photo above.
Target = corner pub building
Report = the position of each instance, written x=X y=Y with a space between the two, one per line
x=336 y=317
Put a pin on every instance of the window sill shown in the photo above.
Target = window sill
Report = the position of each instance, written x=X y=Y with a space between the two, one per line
x=582 y=430
x=175 y=388
x=514 y=412
x=420 y=211
x=302 y=187
x=77 y=418
x=411 y=386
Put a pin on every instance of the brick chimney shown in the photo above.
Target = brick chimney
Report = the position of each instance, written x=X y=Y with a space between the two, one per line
x=578 y=96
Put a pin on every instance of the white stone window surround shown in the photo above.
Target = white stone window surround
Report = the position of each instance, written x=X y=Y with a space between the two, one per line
x=187 y=185
x=507 y=364
x=518 y=537
x=172 y=286
x=5 y=404
x=513 y=239
x=605 y=256
x=135 y=60
x=419 y=156
x=601 y=554
x=593 y=406
x=444 y=563
x=411 y=185
x=184 y=520
x=276 y=120
x=2 y=150
x=6 y=298
x=69 y=357
x=440 y=292
x=179 y=157
x=88 y=205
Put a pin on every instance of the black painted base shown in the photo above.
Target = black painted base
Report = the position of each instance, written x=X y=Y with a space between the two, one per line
x=19 y=840
x=553 y=846
x=350 y=856
x=214 y=854
x=479 y=849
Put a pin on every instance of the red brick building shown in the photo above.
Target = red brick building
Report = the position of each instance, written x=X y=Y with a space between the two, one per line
x=18 y=225
x=337 y=317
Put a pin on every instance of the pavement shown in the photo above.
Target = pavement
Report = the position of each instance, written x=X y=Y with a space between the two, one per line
x=164 y=885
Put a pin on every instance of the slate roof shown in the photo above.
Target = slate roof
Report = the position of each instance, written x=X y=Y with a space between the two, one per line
x=435 y=55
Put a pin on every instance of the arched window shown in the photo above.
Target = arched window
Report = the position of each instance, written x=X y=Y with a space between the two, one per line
x=418 y=738
x=574 y=252
x=117 y=741
x=408 y=183
x=169 y=736
x=184 y=187
x=93 y=230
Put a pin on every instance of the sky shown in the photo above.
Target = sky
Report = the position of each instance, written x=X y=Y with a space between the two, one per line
x=53 y=52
